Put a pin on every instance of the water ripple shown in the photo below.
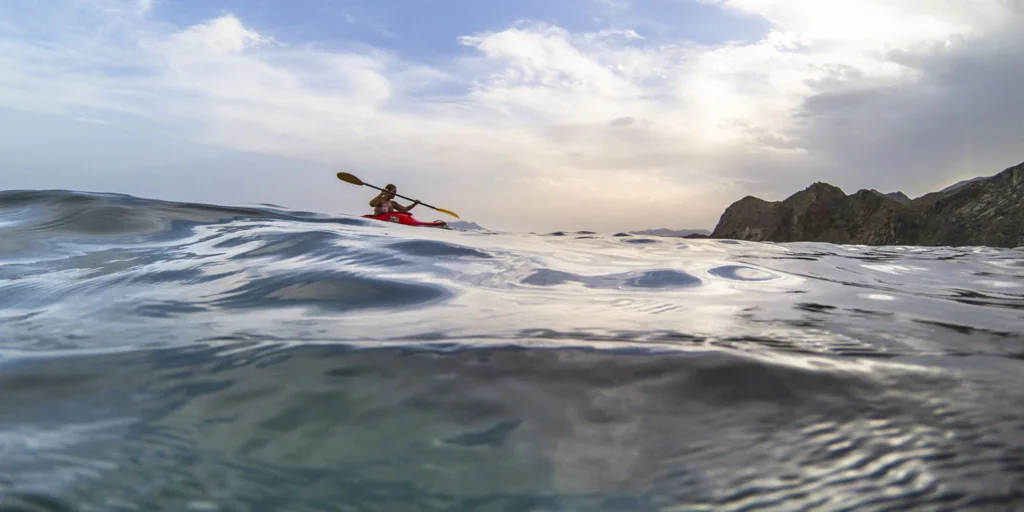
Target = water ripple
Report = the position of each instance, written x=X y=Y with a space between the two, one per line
x=648 y=279
x=741 y=273
x=172 y=356
x=337 y=291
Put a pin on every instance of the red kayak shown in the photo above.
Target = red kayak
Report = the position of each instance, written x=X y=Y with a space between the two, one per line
x=406 y=219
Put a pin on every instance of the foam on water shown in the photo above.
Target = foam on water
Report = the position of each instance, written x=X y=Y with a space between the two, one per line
x=170 y=356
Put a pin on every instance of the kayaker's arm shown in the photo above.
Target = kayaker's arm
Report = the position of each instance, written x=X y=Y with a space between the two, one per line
x=400 y=208
x=377 y=200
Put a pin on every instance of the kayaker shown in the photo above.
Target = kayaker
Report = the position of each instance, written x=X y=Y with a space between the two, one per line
x=384 y=202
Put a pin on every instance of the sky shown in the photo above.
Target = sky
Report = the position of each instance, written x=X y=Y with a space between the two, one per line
x=534 y=115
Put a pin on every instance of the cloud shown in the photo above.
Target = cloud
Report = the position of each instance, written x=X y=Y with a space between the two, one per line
x=547 y=128
x=613 y=4
x=221 y=35
x=852 y=24
x=143 y=7
x=959 y=117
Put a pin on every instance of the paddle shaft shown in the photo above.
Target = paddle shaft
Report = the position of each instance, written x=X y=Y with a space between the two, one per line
x=348 y=178
x=400 y=195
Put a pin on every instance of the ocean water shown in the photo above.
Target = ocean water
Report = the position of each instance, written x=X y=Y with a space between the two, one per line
x=159 y=356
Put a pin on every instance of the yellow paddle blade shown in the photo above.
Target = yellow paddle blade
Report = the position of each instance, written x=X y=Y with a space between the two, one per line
x=348 y=178
x=449 y=212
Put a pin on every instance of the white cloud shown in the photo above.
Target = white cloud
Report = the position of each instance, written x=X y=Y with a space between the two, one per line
x=613 y=4
x=569 y=124
x=143 y=7
x=869 y=23
x=221 y=35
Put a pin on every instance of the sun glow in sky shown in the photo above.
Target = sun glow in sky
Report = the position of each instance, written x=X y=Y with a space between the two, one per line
x=531 y=115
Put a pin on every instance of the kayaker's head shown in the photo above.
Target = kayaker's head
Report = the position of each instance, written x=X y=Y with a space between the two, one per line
x=390 y=191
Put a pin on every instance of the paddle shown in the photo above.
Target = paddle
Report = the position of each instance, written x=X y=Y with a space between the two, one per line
x=348 y=178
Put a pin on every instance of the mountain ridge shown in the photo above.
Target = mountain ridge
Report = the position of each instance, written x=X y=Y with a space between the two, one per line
x=985 y=211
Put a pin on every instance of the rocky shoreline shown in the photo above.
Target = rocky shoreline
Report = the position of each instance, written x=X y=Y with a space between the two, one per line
x=980 y=212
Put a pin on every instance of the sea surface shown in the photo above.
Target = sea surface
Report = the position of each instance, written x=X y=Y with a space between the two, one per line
x=159 y=356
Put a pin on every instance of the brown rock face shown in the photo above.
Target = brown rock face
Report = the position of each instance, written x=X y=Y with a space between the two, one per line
x=988 y=212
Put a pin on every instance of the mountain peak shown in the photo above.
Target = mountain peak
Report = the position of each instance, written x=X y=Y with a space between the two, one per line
x=989 y=212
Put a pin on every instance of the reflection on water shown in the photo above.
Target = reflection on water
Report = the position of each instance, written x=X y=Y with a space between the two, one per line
x=162 y=356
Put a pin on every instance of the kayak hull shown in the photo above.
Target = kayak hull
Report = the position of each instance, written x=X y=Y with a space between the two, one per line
x=406 y=219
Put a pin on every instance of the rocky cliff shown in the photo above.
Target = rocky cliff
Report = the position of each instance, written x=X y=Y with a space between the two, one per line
x=987 y=211
x=899 y=197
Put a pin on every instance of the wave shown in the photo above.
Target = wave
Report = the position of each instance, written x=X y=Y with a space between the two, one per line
x=315 y=428
x=161 y=355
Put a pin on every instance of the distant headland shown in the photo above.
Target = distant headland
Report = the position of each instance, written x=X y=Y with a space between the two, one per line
x=984 y=211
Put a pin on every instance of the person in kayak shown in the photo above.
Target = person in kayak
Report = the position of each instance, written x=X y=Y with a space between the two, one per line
x=385 y=203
